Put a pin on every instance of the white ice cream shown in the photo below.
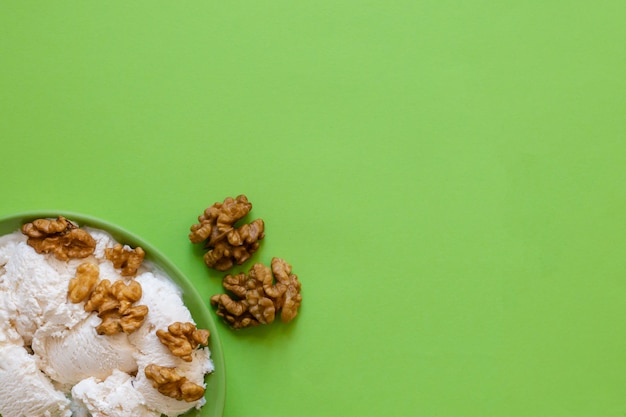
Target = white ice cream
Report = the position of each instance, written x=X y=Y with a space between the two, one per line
x=113 y=397
x=83 y=353
x=24 y=389
x=164 y=298
x=35 y=288
x=52 y=361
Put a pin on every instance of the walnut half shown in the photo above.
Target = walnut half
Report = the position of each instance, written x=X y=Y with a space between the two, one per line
x=182 y=338
x=171 y=384
x=84 y=283
x=60 y=237
x=114 y=304
x=257 y=297
x=227 y=245
x=125 y=258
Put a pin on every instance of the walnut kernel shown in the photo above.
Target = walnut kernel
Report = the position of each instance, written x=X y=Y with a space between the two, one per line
x=226 y=244
x=60 y=237
x=289 y=302
x=182 y=338
x=235 y=313
x=258 y=298
x=125 y=258
x=171 y=384
x=114 y=322
x=44 y=227
x=114 y=306
x=84 y=283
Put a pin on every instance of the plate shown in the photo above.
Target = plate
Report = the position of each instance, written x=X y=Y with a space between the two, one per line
x=216 y=382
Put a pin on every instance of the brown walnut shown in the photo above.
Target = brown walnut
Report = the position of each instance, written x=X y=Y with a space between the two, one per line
x=125 y=258
x=182 y=338
x=235 y=313
x=84 y=283
x=60 y=237
x=114 y=304
x=257 y=298
x=171 y=384
x=227 y=245
x=288 y=301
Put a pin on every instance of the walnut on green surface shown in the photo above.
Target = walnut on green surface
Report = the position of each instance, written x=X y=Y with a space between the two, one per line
x=114 y=305
x=171 y=384
x=234 y=313
x=288 y=301
x=227 y=245
x=125 y=258
x=60 y=237
x=259 y=295
x=183 y=338
x=81 y=286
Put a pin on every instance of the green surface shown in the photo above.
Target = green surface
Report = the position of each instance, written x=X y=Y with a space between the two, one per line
x=447 y=179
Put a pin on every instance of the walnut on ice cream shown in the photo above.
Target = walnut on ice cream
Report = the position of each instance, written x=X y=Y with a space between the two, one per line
x=183 y=338
x=114 y=305
x=60 y=237
x=227 y=245
x=171 y=384
x=125 y=258
x=84 y=283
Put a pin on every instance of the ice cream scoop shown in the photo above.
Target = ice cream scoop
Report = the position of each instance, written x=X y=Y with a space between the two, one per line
x=114 y=396
x=82 y=353
x=24 y=389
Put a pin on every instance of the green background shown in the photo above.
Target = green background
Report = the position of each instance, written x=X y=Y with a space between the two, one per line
x=446 y=178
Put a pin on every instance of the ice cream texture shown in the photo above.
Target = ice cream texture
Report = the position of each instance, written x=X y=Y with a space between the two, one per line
x=53 y=362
